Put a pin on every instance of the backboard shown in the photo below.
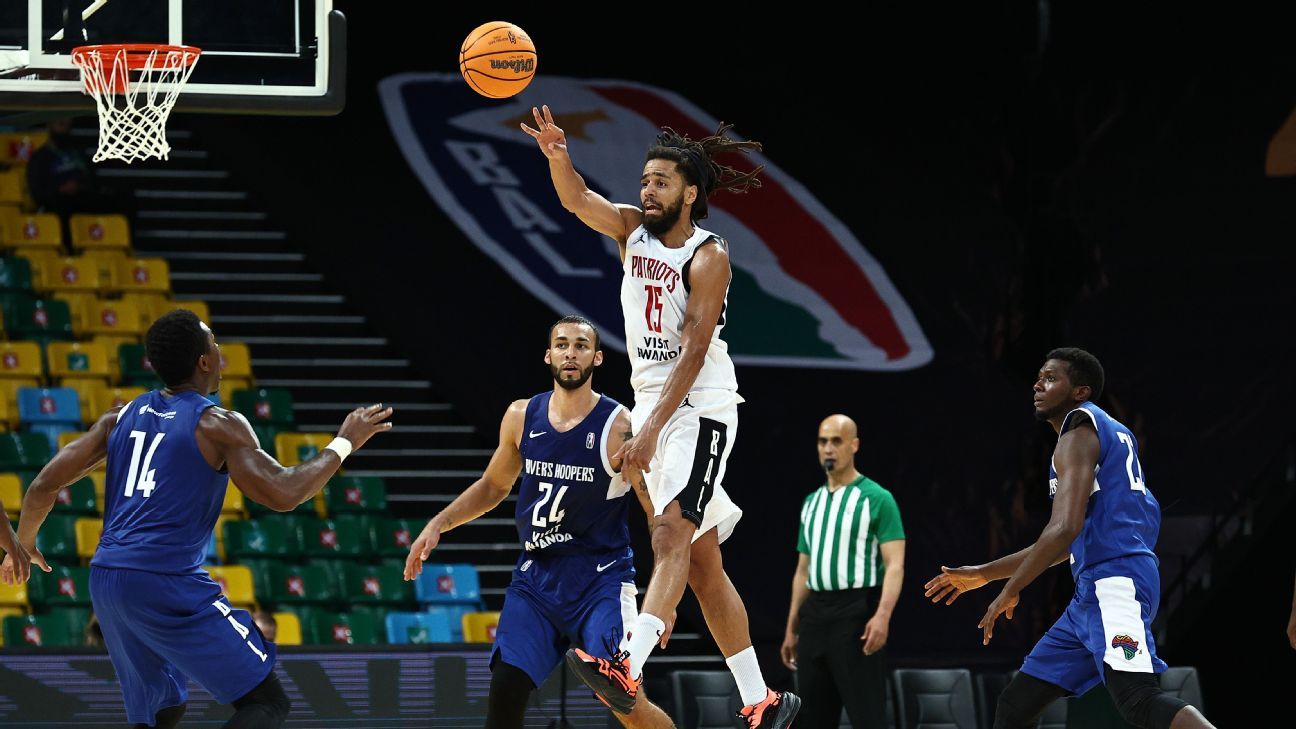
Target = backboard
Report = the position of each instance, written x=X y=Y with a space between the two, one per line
x=258 y=56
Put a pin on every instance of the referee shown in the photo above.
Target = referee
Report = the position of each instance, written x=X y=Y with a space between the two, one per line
x=847 y=580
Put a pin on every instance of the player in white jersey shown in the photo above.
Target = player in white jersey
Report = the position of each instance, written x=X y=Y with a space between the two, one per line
x=676 y=279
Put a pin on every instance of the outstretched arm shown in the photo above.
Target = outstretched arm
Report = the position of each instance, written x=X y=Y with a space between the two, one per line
x=594 y=210
x=1075 y=459
x=483 y=495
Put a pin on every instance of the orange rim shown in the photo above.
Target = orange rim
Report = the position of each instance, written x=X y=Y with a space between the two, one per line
x=137 y=54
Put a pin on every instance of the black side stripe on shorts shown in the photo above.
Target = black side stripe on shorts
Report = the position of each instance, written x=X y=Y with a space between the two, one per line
x=697 y=493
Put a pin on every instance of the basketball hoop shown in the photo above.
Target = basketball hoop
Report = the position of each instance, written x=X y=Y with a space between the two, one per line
x=135 y=86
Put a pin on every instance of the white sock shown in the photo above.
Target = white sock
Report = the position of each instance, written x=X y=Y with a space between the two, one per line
x=644 y=635
x=747 y=674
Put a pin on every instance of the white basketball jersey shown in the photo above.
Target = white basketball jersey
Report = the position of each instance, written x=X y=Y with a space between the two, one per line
x=654 y=295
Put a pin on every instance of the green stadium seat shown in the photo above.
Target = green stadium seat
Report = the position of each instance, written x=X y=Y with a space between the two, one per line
x=79 y=498
x=57 y=538
x=23 y=451
x=64 y=587
x=271 y=406
x=268 y=536
x=341 y=537
x=298 y=584
x=378 y=585
x=42 y=320
x=393 y=537
x=45 y=631
x=15 y=274
x=323 y=627
x=265 y=433
x=135 y=368
x=355 y=494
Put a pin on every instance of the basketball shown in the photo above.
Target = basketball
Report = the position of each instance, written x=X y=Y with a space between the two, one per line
x=497 y=59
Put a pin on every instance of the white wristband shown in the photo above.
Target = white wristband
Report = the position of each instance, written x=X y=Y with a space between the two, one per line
x=340 y=446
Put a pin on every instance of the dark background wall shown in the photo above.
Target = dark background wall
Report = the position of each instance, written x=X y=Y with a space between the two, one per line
x=1028 y=176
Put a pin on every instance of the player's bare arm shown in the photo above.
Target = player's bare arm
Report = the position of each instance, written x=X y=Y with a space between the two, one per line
x=1074 y=460
x=68 y=466
x=708 y=281
x=613 y=220
x=952 y=582
x=226 y=439
x=487 y=492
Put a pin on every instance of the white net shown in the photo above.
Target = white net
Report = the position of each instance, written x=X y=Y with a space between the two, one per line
x=134 y=91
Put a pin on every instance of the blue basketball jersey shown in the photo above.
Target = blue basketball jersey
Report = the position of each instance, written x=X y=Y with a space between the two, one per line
x=161 y=497
x=567 y=502
x=1122 y=518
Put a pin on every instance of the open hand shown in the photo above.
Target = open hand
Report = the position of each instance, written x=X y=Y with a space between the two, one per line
x=549 y=136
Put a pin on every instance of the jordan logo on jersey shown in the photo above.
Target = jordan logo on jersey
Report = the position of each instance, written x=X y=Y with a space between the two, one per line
x=1128 y=646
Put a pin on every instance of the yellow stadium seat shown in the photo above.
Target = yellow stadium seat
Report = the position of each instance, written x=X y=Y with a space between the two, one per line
x=40 y=259
x=69 y=274
x=88 y=532
x=85 y=390
x=235 y=582
x=77 y=361
x=142 y=274
x=220 y=533
x=13 y=192
x=112 y=317
x=106 y=260
x=111 y=397
x=295 y=448
x=16 y=148
x=480 y=627
x=100 y=232
x=35 y=230
x=236 y=360
x=78 y=302
x=233 y=503
x=13 y=595
x=9 y=390
x=11 y=493
x=287 y=629
x=68 y=436
x=6 y=612
x=148 y=303
x=21 y=359
x=7 y=417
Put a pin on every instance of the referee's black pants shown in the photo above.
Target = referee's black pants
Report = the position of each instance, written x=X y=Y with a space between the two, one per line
x=832 y=669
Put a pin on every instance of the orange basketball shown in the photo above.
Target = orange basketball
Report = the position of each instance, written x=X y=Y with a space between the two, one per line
x=497 y=59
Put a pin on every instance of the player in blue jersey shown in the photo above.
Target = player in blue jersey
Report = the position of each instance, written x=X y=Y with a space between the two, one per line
x=170 y=454
x=574 y=580
x=1104 y=521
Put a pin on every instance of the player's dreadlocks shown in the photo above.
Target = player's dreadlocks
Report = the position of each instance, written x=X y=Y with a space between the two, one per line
x=696 y=160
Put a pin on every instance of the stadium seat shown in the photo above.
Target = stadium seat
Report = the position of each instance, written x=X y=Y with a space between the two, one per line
x=288 y=629
x=85 y=390
x=931 y=698
x=341 y=537
x=44 y=631
x=91 y=232
x=106 y=260
x=14 y=595
x=70 y=274
x=6 y=612
x=107 y=398
x=295 y=448
x=118 y=318
x=233 y=503
x=295 y=584
x=12 y=194
x=479 y=627
x=11 y=494
x=355 y=628
x=16 y=147
x=142 y=274
x=135 y=366
x=1183 y=682
x=269 y=536
x=49 y=411
x=57 y=538
x=32 y=230
x=705 y=699
x=78 y=498
x=448 y=583
x=38 y=319
x=23 y=451
x=145 y=303
x=77 y=361
x=376 y=584
x=236 y=360
x=235 y=583
x=393 y=537
x=21 y=359
x=417 y=628
x=88 y=532
x=15 y=274
x=39 y=259
x=9 y=388
x=64 y=587
x=270 y=406
x=343 y=494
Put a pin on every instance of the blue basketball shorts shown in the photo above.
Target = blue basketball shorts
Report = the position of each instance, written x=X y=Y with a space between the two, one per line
x=162 y=630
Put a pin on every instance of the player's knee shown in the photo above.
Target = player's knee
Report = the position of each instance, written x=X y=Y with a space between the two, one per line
x=671 y=535
x=1140 y=700
x=1023 y=700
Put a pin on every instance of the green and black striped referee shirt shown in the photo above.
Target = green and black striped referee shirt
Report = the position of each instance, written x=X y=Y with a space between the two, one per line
x=841 y=531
